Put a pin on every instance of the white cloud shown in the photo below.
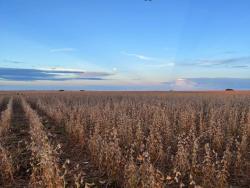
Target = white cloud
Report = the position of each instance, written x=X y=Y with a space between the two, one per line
x=182 y=84
x=161 y=65
x=139 y=56
x=152 y=61
x=209 y=83
x=62 y=50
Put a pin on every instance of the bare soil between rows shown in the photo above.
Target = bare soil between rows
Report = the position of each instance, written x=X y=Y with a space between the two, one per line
x=16 y=141
x=78 y=157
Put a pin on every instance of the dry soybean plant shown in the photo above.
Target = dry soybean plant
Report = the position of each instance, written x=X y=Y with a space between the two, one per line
x=157 y=139
x=6 y=166
x=139 y=139
x=45 y=170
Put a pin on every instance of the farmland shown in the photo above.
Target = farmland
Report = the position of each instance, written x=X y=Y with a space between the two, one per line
x=125 y=139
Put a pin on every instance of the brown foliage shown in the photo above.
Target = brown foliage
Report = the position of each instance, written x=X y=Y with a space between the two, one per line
x=147 y=139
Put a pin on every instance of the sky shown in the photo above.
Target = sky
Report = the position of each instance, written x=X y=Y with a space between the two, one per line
x=124 y=44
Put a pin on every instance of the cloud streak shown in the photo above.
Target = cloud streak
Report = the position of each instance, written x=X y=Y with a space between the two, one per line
x=151 y=61
x=233 y=62
x=161 y=65
x=13 y=61
x=62 y=50
x=139 y=56
x=17 y=74
x=209 y=83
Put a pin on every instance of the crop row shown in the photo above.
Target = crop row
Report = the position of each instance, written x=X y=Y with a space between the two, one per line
x=156 y=140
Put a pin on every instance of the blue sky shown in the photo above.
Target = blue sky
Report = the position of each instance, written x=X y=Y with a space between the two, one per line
x=124 y=44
